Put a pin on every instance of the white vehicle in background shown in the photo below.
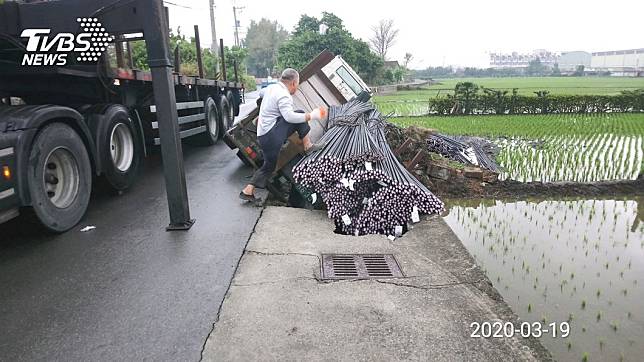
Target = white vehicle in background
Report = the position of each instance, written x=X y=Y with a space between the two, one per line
x=344 y=78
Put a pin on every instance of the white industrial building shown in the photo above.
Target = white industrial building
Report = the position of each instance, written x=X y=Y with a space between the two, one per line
x=569 y=61
x=628 y=63
x=518 y=60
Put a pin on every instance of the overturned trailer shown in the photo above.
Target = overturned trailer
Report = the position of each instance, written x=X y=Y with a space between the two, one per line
x=326 y=81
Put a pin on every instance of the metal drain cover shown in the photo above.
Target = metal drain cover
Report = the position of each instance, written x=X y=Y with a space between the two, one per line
x=360 y=266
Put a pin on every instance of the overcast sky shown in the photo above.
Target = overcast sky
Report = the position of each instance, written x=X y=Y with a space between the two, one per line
x=454 y=32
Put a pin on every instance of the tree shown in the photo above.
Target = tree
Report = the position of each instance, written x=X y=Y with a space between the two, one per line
x=535 y=67
x=496 y=99
x=306 y=43
x=579 y=71
x=465 y=93
x=263 y=39
x=542 y=95
x=188 y=58
x=398 y=74
x=384 y=37
x=306 y=24
x=408 y=58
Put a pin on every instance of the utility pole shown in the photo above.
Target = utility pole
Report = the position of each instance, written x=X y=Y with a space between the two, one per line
x=237 y=26
x=213 y=32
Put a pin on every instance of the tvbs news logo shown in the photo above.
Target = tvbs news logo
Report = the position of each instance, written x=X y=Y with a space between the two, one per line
x=43 y=49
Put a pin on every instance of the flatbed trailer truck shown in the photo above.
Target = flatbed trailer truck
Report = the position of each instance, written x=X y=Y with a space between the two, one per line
x=61 y=126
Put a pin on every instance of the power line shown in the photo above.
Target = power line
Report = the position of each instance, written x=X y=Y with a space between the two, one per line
x=178 y=5
x=184 y=6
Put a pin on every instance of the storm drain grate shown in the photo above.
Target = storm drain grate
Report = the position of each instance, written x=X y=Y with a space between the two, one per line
x=360 y=266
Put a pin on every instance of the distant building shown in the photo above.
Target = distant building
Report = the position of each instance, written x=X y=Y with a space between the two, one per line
x=391 y=64
x=619 y=62
x=516 y=60
x=569 y=61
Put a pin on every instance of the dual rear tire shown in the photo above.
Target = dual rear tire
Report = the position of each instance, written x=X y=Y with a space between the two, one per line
x=60 y=173
x=218 y=119
x=59 y=167
x=59 y=177
x=119 y=147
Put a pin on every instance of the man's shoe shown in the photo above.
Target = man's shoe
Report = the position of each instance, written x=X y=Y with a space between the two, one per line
x=245 y=197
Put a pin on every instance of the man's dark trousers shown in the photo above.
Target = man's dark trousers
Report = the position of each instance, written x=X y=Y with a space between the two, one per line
x=271 y=144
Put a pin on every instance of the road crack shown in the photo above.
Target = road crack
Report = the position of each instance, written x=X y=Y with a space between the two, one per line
x=252 y=232
x=430 y=287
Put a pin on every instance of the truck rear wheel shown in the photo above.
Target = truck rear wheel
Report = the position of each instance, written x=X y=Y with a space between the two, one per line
x=59 y=177
x=213 y=127
x=227 y=118
x=119 y=148
x=234 y=105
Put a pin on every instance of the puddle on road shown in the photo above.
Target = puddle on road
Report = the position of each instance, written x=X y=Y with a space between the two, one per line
x=579 y=260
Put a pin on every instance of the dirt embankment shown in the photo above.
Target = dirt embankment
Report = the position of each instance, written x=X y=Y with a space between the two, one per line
x=450 y=179
x=520 y=190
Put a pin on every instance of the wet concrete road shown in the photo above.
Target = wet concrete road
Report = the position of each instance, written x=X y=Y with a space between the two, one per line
x=127 y=290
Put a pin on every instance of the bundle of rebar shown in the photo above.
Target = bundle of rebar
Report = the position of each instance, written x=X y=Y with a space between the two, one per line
x=461 y=152
x=365 y=188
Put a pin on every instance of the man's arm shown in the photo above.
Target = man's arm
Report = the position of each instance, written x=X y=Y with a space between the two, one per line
x=285 y=105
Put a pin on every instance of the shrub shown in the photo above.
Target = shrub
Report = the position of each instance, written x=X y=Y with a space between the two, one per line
x=501 y=103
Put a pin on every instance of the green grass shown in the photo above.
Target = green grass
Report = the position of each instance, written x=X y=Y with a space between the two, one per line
x=532 y=126
x=526 y=86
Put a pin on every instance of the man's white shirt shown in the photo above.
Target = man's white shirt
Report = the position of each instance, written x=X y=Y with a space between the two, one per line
x=276 y=102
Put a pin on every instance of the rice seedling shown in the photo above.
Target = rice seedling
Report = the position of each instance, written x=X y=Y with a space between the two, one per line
x=520 y=243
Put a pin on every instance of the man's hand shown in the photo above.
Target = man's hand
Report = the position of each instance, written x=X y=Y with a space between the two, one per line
x=318 y=114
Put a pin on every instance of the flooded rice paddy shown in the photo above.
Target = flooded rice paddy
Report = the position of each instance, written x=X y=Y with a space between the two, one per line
x=580 y=261
x=578 y=158
x=554 y=147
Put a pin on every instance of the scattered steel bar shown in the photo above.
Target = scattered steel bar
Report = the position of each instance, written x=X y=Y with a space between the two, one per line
x=365 y=188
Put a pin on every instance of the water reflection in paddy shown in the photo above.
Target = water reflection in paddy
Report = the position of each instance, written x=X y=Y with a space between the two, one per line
x=577 y=260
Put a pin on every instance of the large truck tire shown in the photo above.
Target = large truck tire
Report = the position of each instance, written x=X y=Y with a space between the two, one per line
x=119 y=147
x=213 y=125
x=59 y=177
x=227 y=118
x=234 y=105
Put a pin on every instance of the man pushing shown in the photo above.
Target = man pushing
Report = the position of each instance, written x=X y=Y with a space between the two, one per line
x=277 y=121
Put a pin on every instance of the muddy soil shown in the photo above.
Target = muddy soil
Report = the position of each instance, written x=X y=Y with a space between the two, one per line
x=510 y=189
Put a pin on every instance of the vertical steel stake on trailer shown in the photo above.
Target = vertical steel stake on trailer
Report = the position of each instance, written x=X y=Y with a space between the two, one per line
x=223 y=59
x=155 y=30
x=198 y=45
